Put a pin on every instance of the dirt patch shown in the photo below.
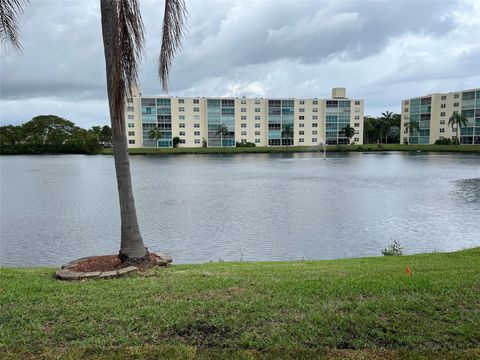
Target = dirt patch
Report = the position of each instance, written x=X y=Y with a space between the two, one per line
x=110 y=263
x=201 y=332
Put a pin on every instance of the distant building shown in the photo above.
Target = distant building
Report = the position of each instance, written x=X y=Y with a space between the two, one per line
x=432 y=112
x=264 y=122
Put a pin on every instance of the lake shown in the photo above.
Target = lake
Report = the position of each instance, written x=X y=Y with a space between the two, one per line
x=249 y=207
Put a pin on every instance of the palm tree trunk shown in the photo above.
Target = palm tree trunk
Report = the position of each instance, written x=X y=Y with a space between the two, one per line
x=131 y=246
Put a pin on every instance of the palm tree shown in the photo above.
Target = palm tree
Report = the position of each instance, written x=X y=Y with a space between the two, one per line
x=123 y=40
x=368 y=126
x=457 y=120
x=348 y=131
x=287 y=131
x=410 y=126
x=222 y=131
x=155 y=134
x=385 y=123
x=382 y=126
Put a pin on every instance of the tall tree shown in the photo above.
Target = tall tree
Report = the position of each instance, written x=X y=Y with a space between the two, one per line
x=155 y=134
x=123 y=40
x=222 y=131
x=348 y=131
x=287 y=132
x=410 y=127
x=456 y=121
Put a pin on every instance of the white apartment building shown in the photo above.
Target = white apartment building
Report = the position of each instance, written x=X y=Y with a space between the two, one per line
x=432 y=112
x=222 y=121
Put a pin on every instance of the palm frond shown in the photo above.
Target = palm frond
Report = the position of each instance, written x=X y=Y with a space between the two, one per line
x=128 y=43
x=173 y=30
x=10 y=11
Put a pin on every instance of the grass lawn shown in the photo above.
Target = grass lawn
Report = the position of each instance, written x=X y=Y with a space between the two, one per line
x=350 y=308
x=286 y=149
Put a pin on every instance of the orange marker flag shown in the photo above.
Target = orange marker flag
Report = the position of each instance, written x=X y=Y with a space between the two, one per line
x=408 y=270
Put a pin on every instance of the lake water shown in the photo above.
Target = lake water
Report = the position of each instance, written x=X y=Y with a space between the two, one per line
x=241 y=207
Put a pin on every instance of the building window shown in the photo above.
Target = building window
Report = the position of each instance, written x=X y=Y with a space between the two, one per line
x=244 y=117
x=129 y=108
x=131 y=142
x=357 y=102
x=196 y=133
x=300 y=140
x=257 y=133
x=196 y=125
x=181 y=125
x=314 y=132
x=257 y=125
x=301 y=125
x=131 y=133
x=195 y=101
x=315 y=102
x=243 y=102
x=182 y=133
x=357 y=110
x=257 y=109
x=301 y=109
x=243 y=141
x=243 y=125
x=405 y=109
x=442 y=114
x=314 y=140
x=442 y=122
x=243 y=109
x=314 y=117
x=301 y=132
x=257 y=141
x=455 y=104
x=357 y=117
x=356 y=124
x=196 y=109
x=301 y=117
x=181 y=109
x=181 y=101
x=356 y=132
x=257 y=102
x=456 y=96
x=356 y=139
x=197 y=141
x=131 y=117
x=257 y=118
x=131 y=125
x=181 y=117
x=406 y=102
x=302 y=102
x=444 y=97
x=243 y=133
x=314 y=124
x=182 y=141
x=442 y=130
x=443 y=106
x=315 y=110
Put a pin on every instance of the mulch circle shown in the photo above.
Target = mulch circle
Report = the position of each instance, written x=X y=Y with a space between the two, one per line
x=107 y=266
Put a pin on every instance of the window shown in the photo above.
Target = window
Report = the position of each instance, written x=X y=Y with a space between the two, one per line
x=181 y=125
x=357 y=110
x=196 y=125
x=405 y=109
x=406 y=102
x=442 y=113
x=257 y=125
x=196 y=109
x=131 y=133
x=356 y=132
x=257 y=118
x=197 y=141
x=442 y=122
x=182 y=133
x=131 y=125
x=315 y=102
x=257 y=141
x=444 y=97
x=301 y=125
x=301 y=132
x=301 y=109
x=243 y=125
x=257 y=109
x=243 y=102
x=181 y=117
x=442 y=130
x=315 y=110
x=357 y=102
x=356 y=139
x=182 y=141
x=181 y=109
x=243 y=141
x=257 y=102
x=129 y=108
x=357 y=117
x=257 y=133
x=314 y=117
x=300 y=140
x=130 y=117
x=181 y=101
x=131 y=141
x=314 y=132
x=244 y=117
x=243 y=133
x=443 y=106
x=243 y=109
x=314 y=124
x=456 y=96
x=196 y=133
x=314 y=140
x=455 y=104
x=302 y=102
x=301 y=117
x=195 y=101
x=356 y=124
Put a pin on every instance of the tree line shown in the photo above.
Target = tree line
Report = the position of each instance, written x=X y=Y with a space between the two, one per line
x=50 y=134
x=383 y=129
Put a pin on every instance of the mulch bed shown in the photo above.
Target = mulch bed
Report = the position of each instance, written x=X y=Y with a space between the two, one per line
x=109 y=263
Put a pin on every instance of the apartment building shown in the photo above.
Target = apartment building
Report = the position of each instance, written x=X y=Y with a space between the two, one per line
x=432 y=112
x=222 y=122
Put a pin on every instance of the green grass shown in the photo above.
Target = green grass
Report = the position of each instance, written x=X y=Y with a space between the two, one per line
x=350 y=308
x=290 y=149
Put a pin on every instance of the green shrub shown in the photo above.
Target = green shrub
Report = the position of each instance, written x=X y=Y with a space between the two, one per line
x=394 y=249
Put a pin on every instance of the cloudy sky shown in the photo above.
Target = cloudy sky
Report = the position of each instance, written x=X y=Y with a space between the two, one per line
x=382 y=51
